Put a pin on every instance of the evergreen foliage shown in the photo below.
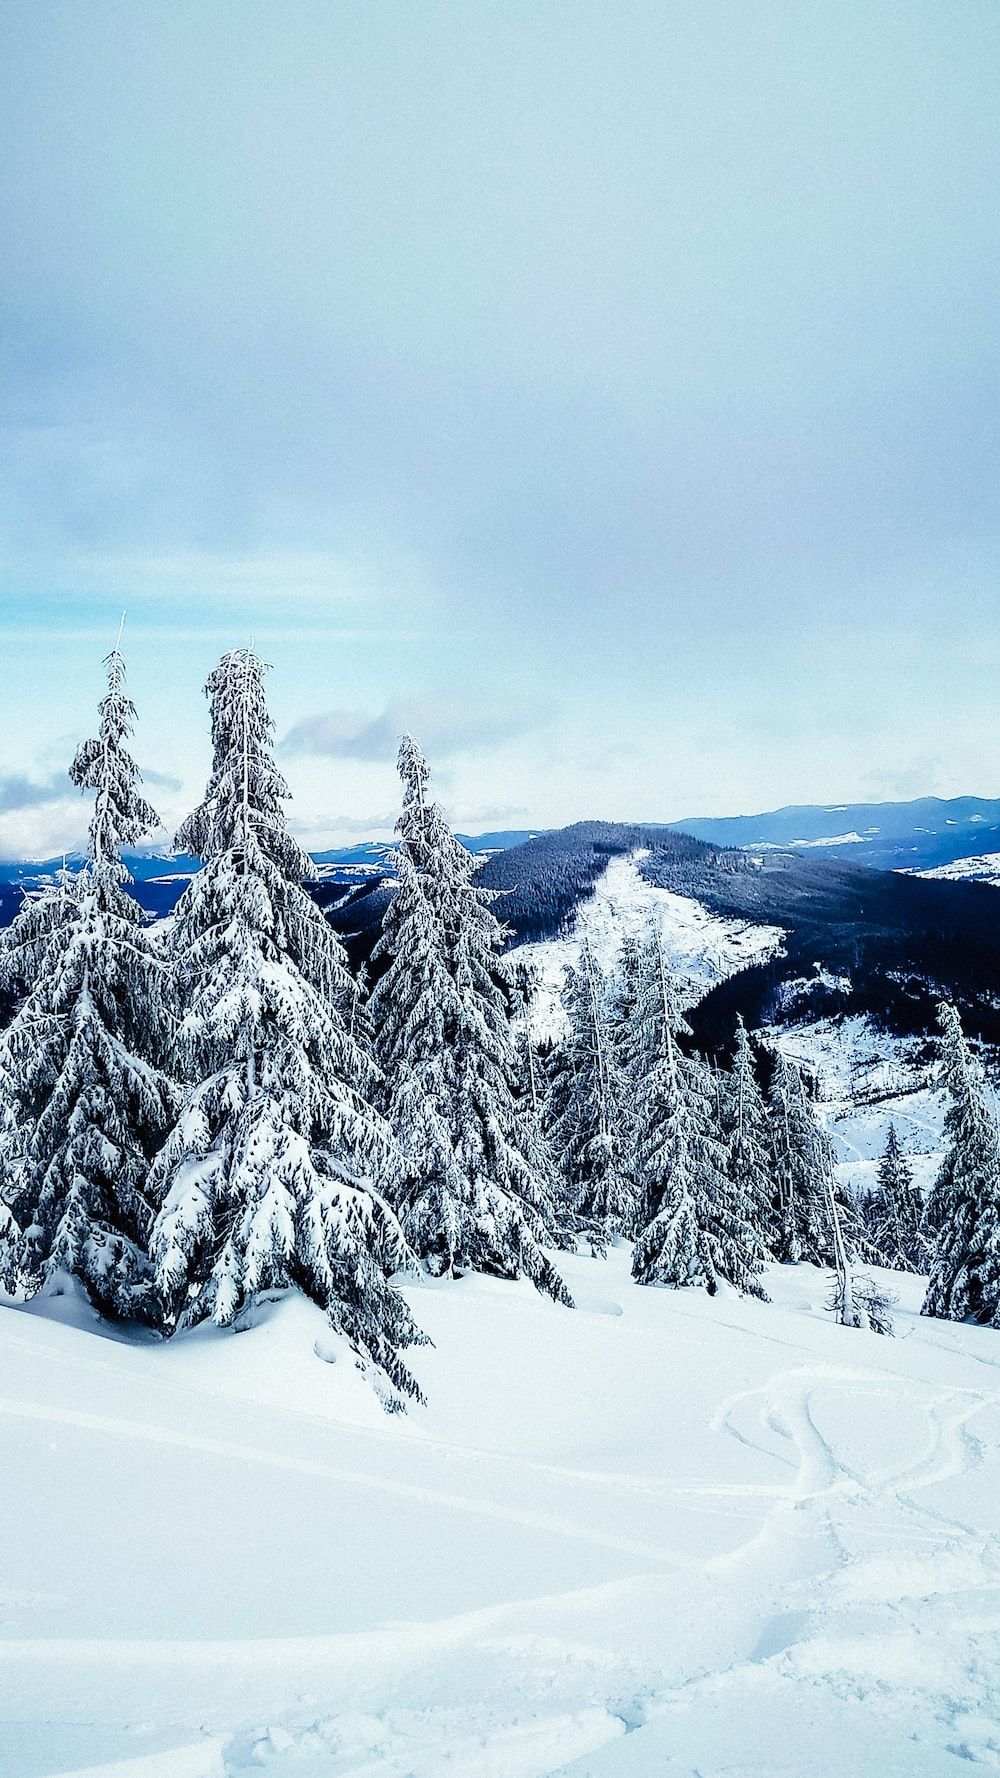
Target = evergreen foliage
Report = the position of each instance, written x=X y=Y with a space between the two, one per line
x=85 y=1102
x=894 y=1213
x=530 y=1095
x=697 y=1229
x=803 y=1171
x=470 y=1194
x=964 y=1283
x=588 y=1113
x=194 y=1119
x=748 y=1141
x=275 y=1172
x=621 y=996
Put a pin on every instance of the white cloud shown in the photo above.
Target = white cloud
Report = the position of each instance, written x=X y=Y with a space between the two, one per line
x=43 y=830
x=457 y=723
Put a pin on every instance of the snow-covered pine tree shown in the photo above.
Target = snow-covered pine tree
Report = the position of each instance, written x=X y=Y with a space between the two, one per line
x=803 y=1172
x=30 y=1051
x=748 y=1141
x=468 y=1194
x=669 y=1248
x=530 y=1090
x=588 y=1117
x=964 y=1283
x=622 y=988
x=271 y=1175
x=359 y=1023
x=696 y=1229
x=86 y=1100
x=895 y=1212
x=10 y=1169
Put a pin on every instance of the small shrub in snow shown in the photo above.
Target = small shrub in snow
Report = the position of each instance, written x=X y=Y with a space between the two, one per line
x=865 y=1303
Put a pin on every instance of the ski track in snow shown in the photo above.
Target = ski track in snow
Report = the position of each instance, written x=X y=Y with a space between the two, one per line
x=822 y=1591
x=116 y=1429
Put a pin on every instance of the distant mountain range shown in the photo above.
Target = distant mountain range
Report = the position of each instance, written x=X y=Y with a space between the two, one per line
x=147 y=867
x=882 y=941
x=857 y=940
x=918 y=835
x=159 y=878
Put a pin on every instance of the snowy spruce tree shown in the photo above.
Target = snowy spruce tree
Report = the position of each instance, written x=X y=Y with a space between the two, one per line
x=696 y=1228
x=894 y=1213
x=85 y=1100
x=747 y=1135
x=621 y=992
x=468 y=1195
x=530 y=1092
x=803 y=1173
x=588 y=1117
x=275 y=1172
x=964 y=1208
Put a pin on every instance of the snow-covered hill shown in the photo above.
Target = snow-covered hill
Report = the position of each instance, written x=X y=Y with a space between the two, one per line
x=868 y=1079
x=703 y=948
x=656 y=1536
x=983 y=869
x=918 y=834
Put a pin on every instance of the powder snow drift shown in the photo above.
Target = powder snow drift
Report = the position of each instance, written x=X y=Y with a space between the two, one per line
x=656 y=1536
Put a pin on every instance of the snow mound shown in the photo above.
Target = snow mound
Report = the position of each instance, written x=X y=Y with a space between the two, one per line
x=703 y=948
x=699 y=1536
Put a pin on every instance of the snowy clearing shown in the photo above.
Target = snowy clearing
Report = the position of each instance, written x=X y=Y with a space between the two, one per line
x=702 y=948
x=984 y=868
x=869 y=1079
x=658 y=1535
x=837 y=839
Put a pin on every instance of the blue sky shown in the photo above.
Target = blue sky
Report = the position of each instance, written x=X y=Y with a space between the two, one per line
x=608 y=393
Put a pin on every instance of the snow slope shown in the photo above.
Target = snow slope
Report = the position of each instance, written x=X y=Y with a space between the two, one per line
x=655 y=1536
x=867 y=1079
x=703 y=948
x=982 y=869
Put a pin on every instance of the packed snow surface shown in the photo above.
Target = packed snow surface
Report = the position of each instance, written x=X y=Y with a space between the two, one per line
x=656 y=1536
x=702 y=948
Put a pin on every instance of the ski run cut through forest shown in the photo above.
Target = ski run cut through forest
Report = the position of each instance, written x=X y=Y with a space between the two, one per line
x=441 y=1365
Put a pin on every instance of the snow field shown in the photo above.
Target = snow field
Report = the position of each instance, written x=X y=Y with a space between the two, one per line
x=868 y=1080
x=657 y=1536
